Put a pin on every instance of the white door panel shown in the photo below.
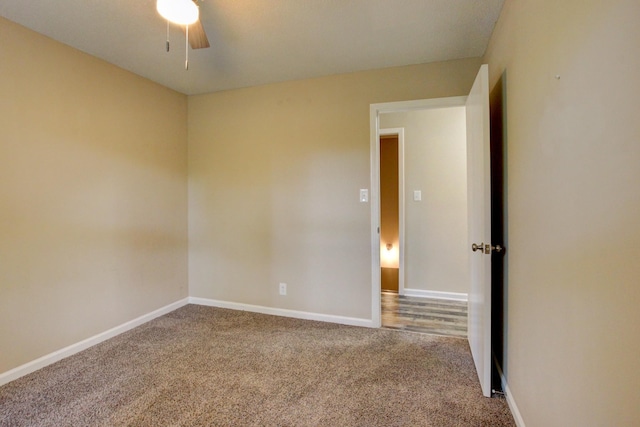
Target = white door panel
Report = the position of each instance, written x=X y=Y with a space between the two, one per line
x=479 y=205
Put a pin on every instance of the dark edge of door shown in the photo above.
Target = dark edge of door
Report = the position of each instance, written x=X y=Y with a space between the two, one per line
x=497 y=102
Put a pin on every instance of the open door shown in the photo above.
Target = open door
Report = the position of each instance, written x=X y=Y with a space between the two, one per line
x=479 y=205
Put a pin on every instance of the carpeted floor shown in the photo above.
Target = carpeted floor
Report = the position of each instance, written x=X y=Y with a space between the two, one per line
x=203 y=366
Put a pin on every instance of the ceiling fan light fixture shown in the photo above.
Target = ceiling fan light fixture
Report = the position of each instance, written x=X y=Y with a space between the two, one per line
x=181 y=12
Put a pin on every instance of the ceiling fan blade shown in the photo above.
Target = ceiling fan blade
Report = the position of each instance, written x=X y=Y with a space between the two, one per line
x=197 y=36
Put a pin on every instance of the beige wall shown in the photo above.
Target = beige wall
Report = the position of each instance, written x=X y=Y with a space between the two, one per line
x=92 y=196
x=435 y=163
x=274 y=174
x=573 y=159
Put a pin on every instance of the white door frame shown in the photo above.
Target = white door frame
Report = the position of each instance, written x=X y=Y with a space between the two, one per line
x=400 y=133
x=374 y=130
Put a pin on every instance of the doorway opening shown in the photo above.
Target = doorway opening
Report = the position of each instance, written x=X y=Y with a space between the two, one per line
x=378 y=246
x=477 y=213
x=392 y=210
x=424 y=290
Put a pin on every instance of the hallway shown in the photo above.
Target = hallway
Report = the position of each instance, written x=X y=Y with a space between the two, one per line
x=426 y=315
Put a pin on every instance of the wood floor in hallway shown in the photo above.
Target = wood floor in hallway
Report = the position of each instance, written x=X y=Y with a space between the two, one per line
x=427 y=315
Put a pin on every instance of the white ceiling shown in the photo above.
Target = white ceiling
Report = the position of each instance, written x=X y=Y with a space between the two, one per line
x=256 y=42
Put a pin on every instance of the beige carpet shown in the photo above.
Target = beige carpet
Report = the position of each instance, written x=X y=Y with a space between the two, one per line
x=203 y=366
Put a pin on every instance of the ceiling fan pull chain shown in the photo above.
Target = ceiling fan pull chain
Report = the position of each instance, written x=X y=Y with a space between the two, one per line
x=167 y=35
x=186 y=43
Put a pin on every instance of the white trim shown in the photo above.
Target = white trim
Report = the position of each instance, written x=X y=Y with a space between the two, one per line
x=512 y=405
x=419 y=104
x=50 y=358
x=401 y=212
x=376 y=316
x=353 y=321
x=455 y=296
x=517 y=417
x=401 y=220
x=374 y=134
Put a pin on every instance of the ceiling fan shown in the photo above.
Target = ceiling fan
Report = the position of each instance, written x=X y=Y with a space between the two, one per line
x=185 y=13
x=197 y=37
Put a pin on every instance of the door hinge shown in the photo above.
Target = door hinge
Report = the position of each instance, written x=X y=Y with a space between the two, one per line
x=486 y=248
x=498 y=393
x=496 y=248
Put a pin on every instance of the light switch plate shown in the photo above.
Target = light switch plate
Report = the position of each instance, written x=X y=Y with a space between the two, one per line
x=364 y=195
x=417 y=195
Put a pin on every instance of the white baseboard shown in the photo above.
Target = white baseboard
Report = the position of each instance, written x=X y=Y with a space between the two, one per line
x=510 y=400
x=435 y=294
x=353 y=321
x=514 y=408
x=50 y=358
